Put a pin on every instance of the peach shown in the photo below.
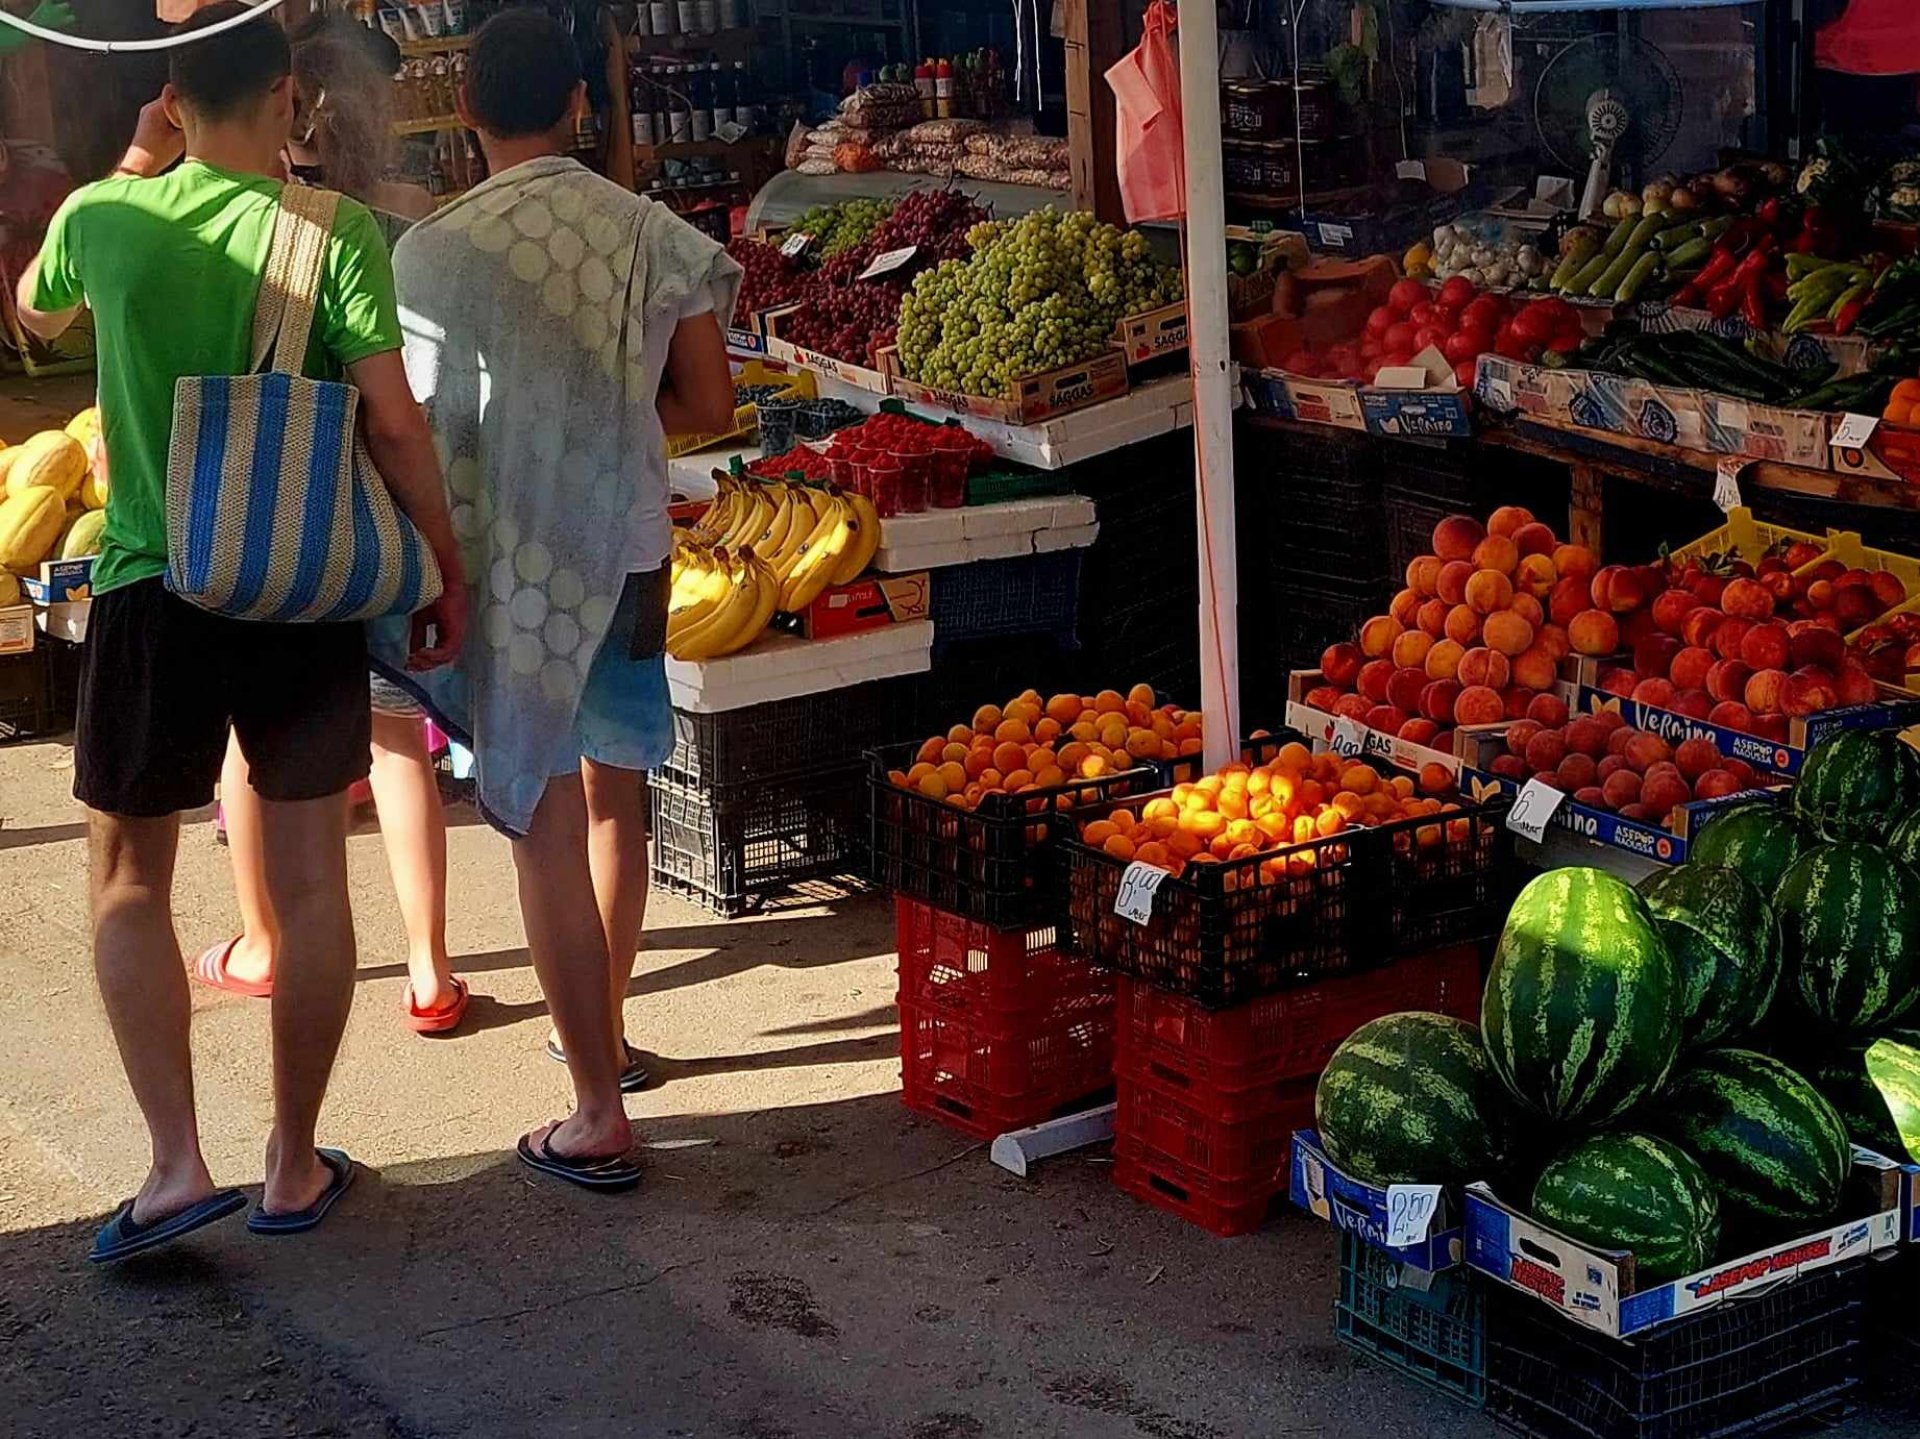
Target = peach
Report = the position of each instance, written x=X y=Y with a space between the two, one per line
x=1482 y=666
x=1812 y=644
x=1696 y=756
x=1610 y=765
x=1545 y=751
x=1698 y=628
x=1507 y=633
x=1617 y=589
x=1740 y=770
x=1728 y=637
x=1410 y=649
x=1689 y=668
x=1622 y=788
x=1694 y=704
x=1436 y=701
x=1575 y=562
x=1731 y=714
x=1340 y=664
x=1568 y=597
x=1746 y=599
x=1517 y=699
x=1443 y=660
x=1576 y=771
x=1510 y=767
x=1766 y=647
x=1645 y=750
x=1406 y=608
x=1809 y=691
x=1665 y=791
x=1509 y=519
x=1404 y=687
x=1586 y=735
x=1612 y=719
x=1716 y=784
x=1377 y=636
x=1489 y=591
x=1354 y=707
x=1372 y=680
x=1773 y=727
x=1638 y=813
x=1592 y=796
x=1553 y=639
x=1528 y=608
x=1654 y=691
x=1854 y=686
x=1535 y=539
x=1594 y=632
x=1423 y=575
x=1463 y=625
x=1385 y=718
x=1653 y=655
x=1454 y=537
x=1433 y=617
x=1767 y=692
x=1620 y=738
x=1323 y=698
x=1520 y=734
x=1453 y=581
x=1549 y=710
x=1534 y=669
x=1619 y=680
x=1727 y=680
x=1536 y=576
x=1478 y=704
x=1671 y=608
x=1419 y=730
x=1496 y=553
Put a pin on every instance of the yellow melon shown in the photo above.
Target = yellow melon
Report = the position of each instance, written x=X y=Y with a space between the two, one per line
x=53 y=459
x=30 y=522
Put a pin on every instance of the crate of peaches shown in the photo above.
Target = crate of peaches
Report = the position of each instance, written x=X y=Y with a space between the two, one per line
x=1481 y=628
x=959 y=821
x=1283 y=868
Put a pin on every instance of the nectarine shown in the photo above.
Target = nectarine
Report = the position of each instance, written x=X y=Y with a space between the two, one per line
x=1455 y=536
x=1508 y=518
x=1482 y=666
x=1507 y=632
x=1489 y=590
x=1478 y=704
x=1443 y=660
x=1594 y=632
x=1496 y=553
x=1454 y=575
x=1377 y=636
x=1535 y=539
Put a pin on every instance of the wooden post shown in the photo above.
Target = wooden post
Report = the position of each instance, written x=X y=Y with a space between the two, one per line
x=1093 y=43
x=1586 y=522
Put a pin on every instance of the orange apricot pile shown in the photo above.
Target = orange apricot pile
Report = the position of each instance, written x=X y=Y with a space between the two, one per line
x=1245 y=810
x=1034 y=744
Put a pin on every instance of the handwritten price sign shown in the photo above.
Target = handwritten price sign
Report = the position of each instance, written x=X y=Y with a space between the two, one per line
x=1138 y=884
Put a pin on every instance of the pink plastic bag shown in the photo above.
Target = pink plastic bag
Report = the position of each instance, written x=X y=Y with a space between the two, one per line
x=1146 y=92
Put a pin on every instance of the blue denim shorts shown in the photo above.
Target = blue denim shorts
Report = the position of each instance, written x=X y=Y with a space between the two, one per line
x=625 y=718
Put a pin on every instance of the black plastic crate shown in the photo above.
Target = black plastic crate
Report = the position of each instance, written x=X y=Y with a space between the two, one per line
x=1746 y=1366
x=1411 y=516
x=1436 y=1334
x=1228 y=932
x=743 y=847
x=786 y=737
x=1024 y=595
x=39 y=690
x=998 y=863
x=1305 y=619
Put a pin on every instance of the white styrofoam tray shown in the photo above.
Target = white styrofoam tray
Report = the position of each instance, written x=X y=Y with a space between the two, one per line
x=782 y=666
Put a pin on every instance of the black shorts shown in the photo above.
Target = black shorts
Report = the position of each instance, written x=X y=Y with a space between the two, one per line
x=161 y=681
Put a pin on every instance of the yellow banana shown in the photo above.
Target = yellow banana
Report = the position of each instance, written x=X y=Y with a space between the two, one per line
x=866 y=541
x=780 y=558
x=701 y=640
x=815 y=569
x=790 y=559
x=714 y=522
x=782 y=523
x=766 y=591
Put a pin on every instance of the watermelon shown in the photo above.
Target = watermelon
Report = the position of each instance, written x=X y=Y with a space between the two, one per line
x=1850 y=934
x=1893 y=1064
x=1758 y=840
x=1410 y=1099
x=1903 y=840
x=1774 y=1147
x=1723 y=935
x=1857 y=784
x=1636 y=1192
x=1841 y=1075
x=1581 y=1015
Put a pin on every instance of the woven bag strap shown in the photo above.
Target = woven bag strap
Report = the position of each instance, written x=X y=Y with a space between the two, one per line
x=290 y=288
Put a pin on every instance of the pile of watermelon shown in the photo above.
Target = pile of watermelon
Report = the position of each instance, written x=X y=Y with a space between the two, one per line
x=1682 y=1069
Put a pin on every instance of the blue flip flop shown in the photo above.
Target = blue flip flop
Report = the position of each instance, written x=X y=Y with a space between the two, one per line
x=344 y=1168
x=606 y=1175
x=121 y=1238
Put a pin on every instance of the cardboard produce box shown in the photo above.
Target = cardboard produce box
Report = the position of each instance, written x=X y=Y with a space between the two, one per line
x=1035 y=398
x=871 y=602
x=1318 y=1185
x=845 y=371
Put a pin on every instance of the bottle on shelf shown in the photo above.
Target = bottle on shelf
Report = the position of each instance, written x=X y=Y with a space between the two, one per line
x=660 y=16
x=719 y=98
x=643 y=20
x=730 y=15
x=943 y=88
x=687 y=16
x=476 y=160
x=662 y=111
x=679 y=111
x=746 y=113
x=923 y=86
x=640 y=106
x=700 y=123
x=707 y=12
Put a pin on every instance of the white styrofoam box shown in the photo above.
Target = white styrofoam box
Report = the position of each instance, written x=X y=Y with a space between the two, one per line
x=66 y=620
x=781 y=666
x=1079 y=537
x=939 y=538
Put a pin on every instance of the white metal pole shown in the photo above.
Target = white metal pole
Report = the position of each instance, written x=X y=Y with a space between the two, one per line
x=1205 y=237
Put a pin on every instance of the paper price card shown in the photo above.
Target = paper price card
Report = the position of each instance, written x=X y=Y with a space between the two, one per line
x=1138 y=883
x=796 y=244
x=887 y=260
x=1410 y=1211
x=1726 y=484
x=1534 y=809
x=1349 y=738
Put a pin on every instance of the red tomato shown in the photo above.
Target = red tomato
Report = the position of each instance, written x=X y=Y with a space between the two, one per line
x=1398 y=357
x=1461 y=347
x=1424 y=313
x=1509 y=343
x=1381 y=317
x=1429 y=335
x=1371 y=348
x=1463 y=374
x=1485 y=312
x=1534 y=324
x=1399 y=336
x=1457 y=293
x=1405 y=294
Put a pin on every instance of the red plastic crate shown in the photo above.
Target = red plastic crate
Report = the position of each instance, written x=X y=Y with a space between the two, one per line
x=1282 y=1036
x=987 y=1078
x=1155 y=1180
x=1229 y=1160
x=970 y=969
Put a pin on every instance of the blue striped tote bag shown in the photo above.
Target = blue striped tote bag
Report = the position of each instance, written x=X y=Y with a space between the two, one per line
x=274 y=508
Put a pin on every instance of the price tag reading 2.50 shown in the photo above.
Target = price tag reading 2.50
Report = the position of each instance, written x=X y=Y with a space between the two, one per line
x=1138 y=883
x=1533 y=809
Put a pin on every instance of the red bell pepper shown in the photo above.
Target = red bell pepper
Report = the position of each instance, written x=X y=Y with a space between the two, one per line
x=1753 y=303
x=1849 y=317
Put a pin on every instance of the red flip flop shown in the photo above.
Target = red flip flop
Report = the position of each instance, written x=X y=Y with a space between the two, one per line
x=210 y=969
x=437 y=1021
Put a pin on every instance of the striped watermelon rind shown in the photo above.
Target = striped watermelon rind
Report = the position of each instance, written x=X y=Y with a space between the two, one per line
x=1903 y=840
x=1771 y=1143
x=1723 y=935
x=1850 y=934
x=1758 y=840
x=1857 y=784
x=1410 y=1098
x=1581 y=1015
x=1841 y=1075
x=1636 y=1192
x=1893 y=1064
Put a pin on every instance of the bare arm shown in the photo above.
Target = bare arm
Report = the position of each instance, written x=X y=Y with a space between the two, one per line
x=47 y=324
x=696 y=392
x=402 y=448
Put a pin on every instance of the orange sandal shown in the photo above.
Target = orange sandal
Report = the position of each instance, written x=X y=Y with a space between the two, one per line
x=210 y=969
x=437 y=1021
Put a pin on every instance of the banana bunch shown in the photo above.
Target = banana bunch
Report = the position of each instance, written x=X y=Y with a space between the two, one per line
x=722 y=600
x=811 y=537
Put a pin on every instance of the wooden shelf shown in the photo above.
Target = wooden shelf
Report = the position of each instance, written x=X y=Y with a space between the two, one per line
x=427 y=127
x=438 y=46
x=736 y=44
x=675 y=149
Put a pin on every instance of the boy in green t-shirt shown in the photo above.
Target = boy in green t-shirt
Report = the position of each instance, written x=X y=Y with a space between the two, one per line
x=170 y=265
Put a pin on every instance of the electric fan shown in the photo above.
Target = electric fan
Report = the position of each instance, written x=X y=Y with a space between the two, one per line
x=1607 y=103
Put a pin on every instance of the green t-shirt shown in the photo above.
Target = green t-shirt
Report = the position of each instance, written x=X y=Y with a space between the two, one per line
x=171 y=268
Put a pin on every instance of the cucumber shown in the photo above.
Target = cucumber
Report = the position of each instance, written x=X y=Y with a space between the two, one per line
x=1578 y=253
x=1691 y=253
x=1616 y=273
x=1676 y=237
x=1583 y=280
x=1642 y=271
x=1617 y=241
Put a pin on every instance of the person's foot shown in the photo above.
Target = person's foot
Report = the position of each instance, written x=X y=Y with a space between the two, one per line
x=294 y=1183
x=165 y=1195
x=577 y=1137
x=250 y=961
x=432 y=988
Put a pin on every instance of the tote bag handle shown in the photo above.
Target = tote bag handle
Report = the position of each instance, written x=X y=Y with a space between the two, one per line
x=290 y=288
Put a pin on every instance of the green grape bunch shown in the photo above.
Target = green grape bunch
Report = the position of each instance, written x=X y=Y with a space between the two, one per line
x=1037 y=293
x=840 y=227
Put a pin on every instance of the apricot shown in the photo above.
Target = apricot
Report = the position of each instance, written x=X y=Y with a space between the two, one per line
x=1453 y=581
x=1508 y=518
x=1482 y=667
x=1433 y=617
x=1455 y=536
x=1496 y=553
x=1536 y=576
x=1405 y=608
x=1063 y=709
x=1410 y=648
x=1423 y=575
x=1489 y=590
x=1372 y=680
x=1548 y=710
x=1013 y=731
x=1594 y=632
x=1508 y=633
x=1443 y=660
x=955 y=753
x=1479 y=704
x=1435 y=779
x=932 y=752
x=1463 y=625
x=1376 y=636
